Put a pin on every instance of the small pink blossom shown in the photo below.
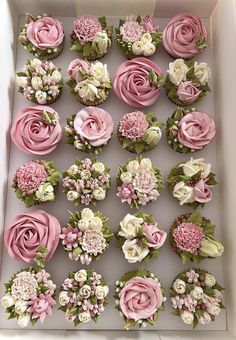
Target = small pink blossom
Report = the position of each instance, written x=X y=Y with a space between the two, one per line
x=87 y=163
x=188 y=237
x=133 y=125
x=70 y=237
x=30 y=176
x=126 y=193
x=86 y=28
x=42 y=276
x=131 y=31
x=41 y=306
x=86 y=199
x=177 y=302
x=190 y=302
x=204 y=319
x=85 y=258
x=192 y=276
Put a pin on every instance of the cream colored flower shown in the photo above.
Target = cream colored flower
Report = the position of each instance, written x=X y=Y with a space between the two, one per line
x=7 y=301
x=88 y=89
x=197 y=292
x=137 y=47
x=149 y=49
x=126 y=177
x=81 y=275
x=153 y=135
x=36 y=83
x=214 y=309
x=41 y=97
x=45 y=193
x=22 y=81
x=98 y=167
x=84 y=317
x=72 y=195
x=101 y=42
x=183 y=193
x=99 y=71
x=96 y=223
x=63 y=299
x=129 y=226
x=133 y=251
x=187 y=317
x=210 y=280
x=193 y=166
x=73 y=169
x=56 y=76
x=87 y=214
x=132 y=166
x=202 y=72
x=23 y=320
x=177 y=71
x=101 y=292
x=179 y=286
x=146 y=164
x=24 y=286
x=85 y=291
x=99 y=194
x=146 y=38
x=83 y=224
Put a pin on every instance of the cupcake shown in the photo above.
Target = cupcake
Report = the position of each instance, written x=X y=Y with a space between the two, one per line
x=36 y=182
x=86 y=236
x=196 y=297
x=83 y=296
x=191 y=182
x=33 y=236
x=187 y=82
x=139 y=297
x=138 y=132
x=42 y=36
x=137 y=82
x=91 y=37
x=29 y=296
x=40 y=82
x=36 y=130
x=90 y=83
x=138 y=36
x=189 y=130
x=185 y=36
x=89 y=130
x=138 y=183
x=140 y=237
x=192 y=238
x=87 y=181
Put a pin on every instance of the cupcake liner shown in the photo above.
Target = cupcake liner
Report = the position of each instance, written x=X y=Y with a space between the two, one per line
x=141 y=282
x=196 y=297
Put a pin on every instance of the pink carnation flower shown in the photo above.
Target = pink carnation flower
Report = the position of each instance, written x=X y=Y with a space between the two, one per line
x=86 y=28
x=41 y=306
x=144 y=181
x=126 y=193
x=30 y=176
x=188 y=237
x=133 y=125
x=131 y=31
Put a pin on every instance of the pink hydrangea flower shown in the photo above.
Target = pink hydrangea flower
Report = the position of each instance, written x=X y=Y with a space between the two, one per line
x=133 y=125
x=70 y=237
x=86 y=28
x=188 y=237
x=144 y=181
x=131 y=30
x=30 y=176
x=126 y=193
x=41 y=306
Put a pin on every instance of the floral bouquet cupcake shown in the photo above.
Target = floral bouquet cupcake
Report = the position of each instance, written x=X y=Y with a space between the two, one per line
x=138 y=132
x=196 y=297
x=40 y=82
x=188 y=130
x=30 y=296
x=87 y=181
x=36 y=182
x=33 y=236
x=89 y=130
x=187 y=82
x=36 y=130
x=140 y=237
x=139 y=297
x=192 y=238
x=83 y=296
x=185 y=36
x=86 y=236
x=91 y=37
x=137 y=82
x=42 y=36
x=191 y=182
x=90 y=83
x=138 y=36
x=139 y=183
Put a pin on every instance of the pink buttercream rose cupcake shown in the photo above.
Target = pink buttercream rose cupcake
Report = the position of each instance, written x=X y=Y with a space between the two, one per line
x=137 y=82
x=192 y=238
x=187 y=82
x=36 y=130
x=91 y=37
x=189 y=130
x=140 y=237
x=42 y=36
x=138 y=132
x=139 y=297
x=138 y=36
x=32 y=236
x=185 y=36
x=191 y=182
x=89 y=130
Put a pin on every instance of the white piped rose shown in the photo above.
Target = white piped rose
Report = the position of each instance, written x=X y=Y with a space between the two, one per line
x=35 y=62
x=72 y=195
x=183 y=193
x=187 y=317
x=56 y=76
x=101 y=292
x=81 y=275
x=20 y=307
x=23 y=320
x=133 y=251
x=84 y=317
x=85 y=174
x=193 y=166
x=88 y=89
x=137 y=47
x=146 y=38
x=96 y=223
x=153 y=135
x=99 y=71
x=36 y=83
x=129 y=226
x=132 y=166
x=7 y=301
x=83 y=224
x=99 y=194
x=101 y=42
x=98 y=167
x=22 y=81
x=202 y=72
x=87 y=214
x=214 y=309
x=41 y=97
x=179 y=286
x=197 y=292
x=146 y=164
x=85 y=291
x=210 y=280
x=149 y=49
x=63 y=298
x=126 y=177
x=177 y=71
x=73 y=169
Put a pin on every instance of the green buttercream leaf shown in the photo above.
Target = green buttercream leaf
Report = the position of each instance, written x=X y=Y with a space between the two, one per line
x=195 y=218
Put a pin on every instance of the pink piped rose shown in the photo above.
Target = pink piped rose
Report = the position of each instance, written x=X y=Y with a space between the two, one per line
x=181 y=35
x=28 y=232
x=45 y=32
x=196 y=130
x=202 y=192
x=149 y=24
x=94 y=125
x=154 y=236
x=188 y=92
x=75 y=67
x=140 y=298
x=132 y=85
x=86 y=28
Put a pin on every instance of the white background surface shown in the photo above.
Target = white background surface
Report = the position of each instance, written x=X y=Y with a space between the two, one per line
x=112 y=264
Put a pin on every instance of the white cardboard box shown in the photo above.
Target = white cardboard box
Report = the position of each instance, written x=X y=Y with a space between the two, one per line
x=222 y=14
